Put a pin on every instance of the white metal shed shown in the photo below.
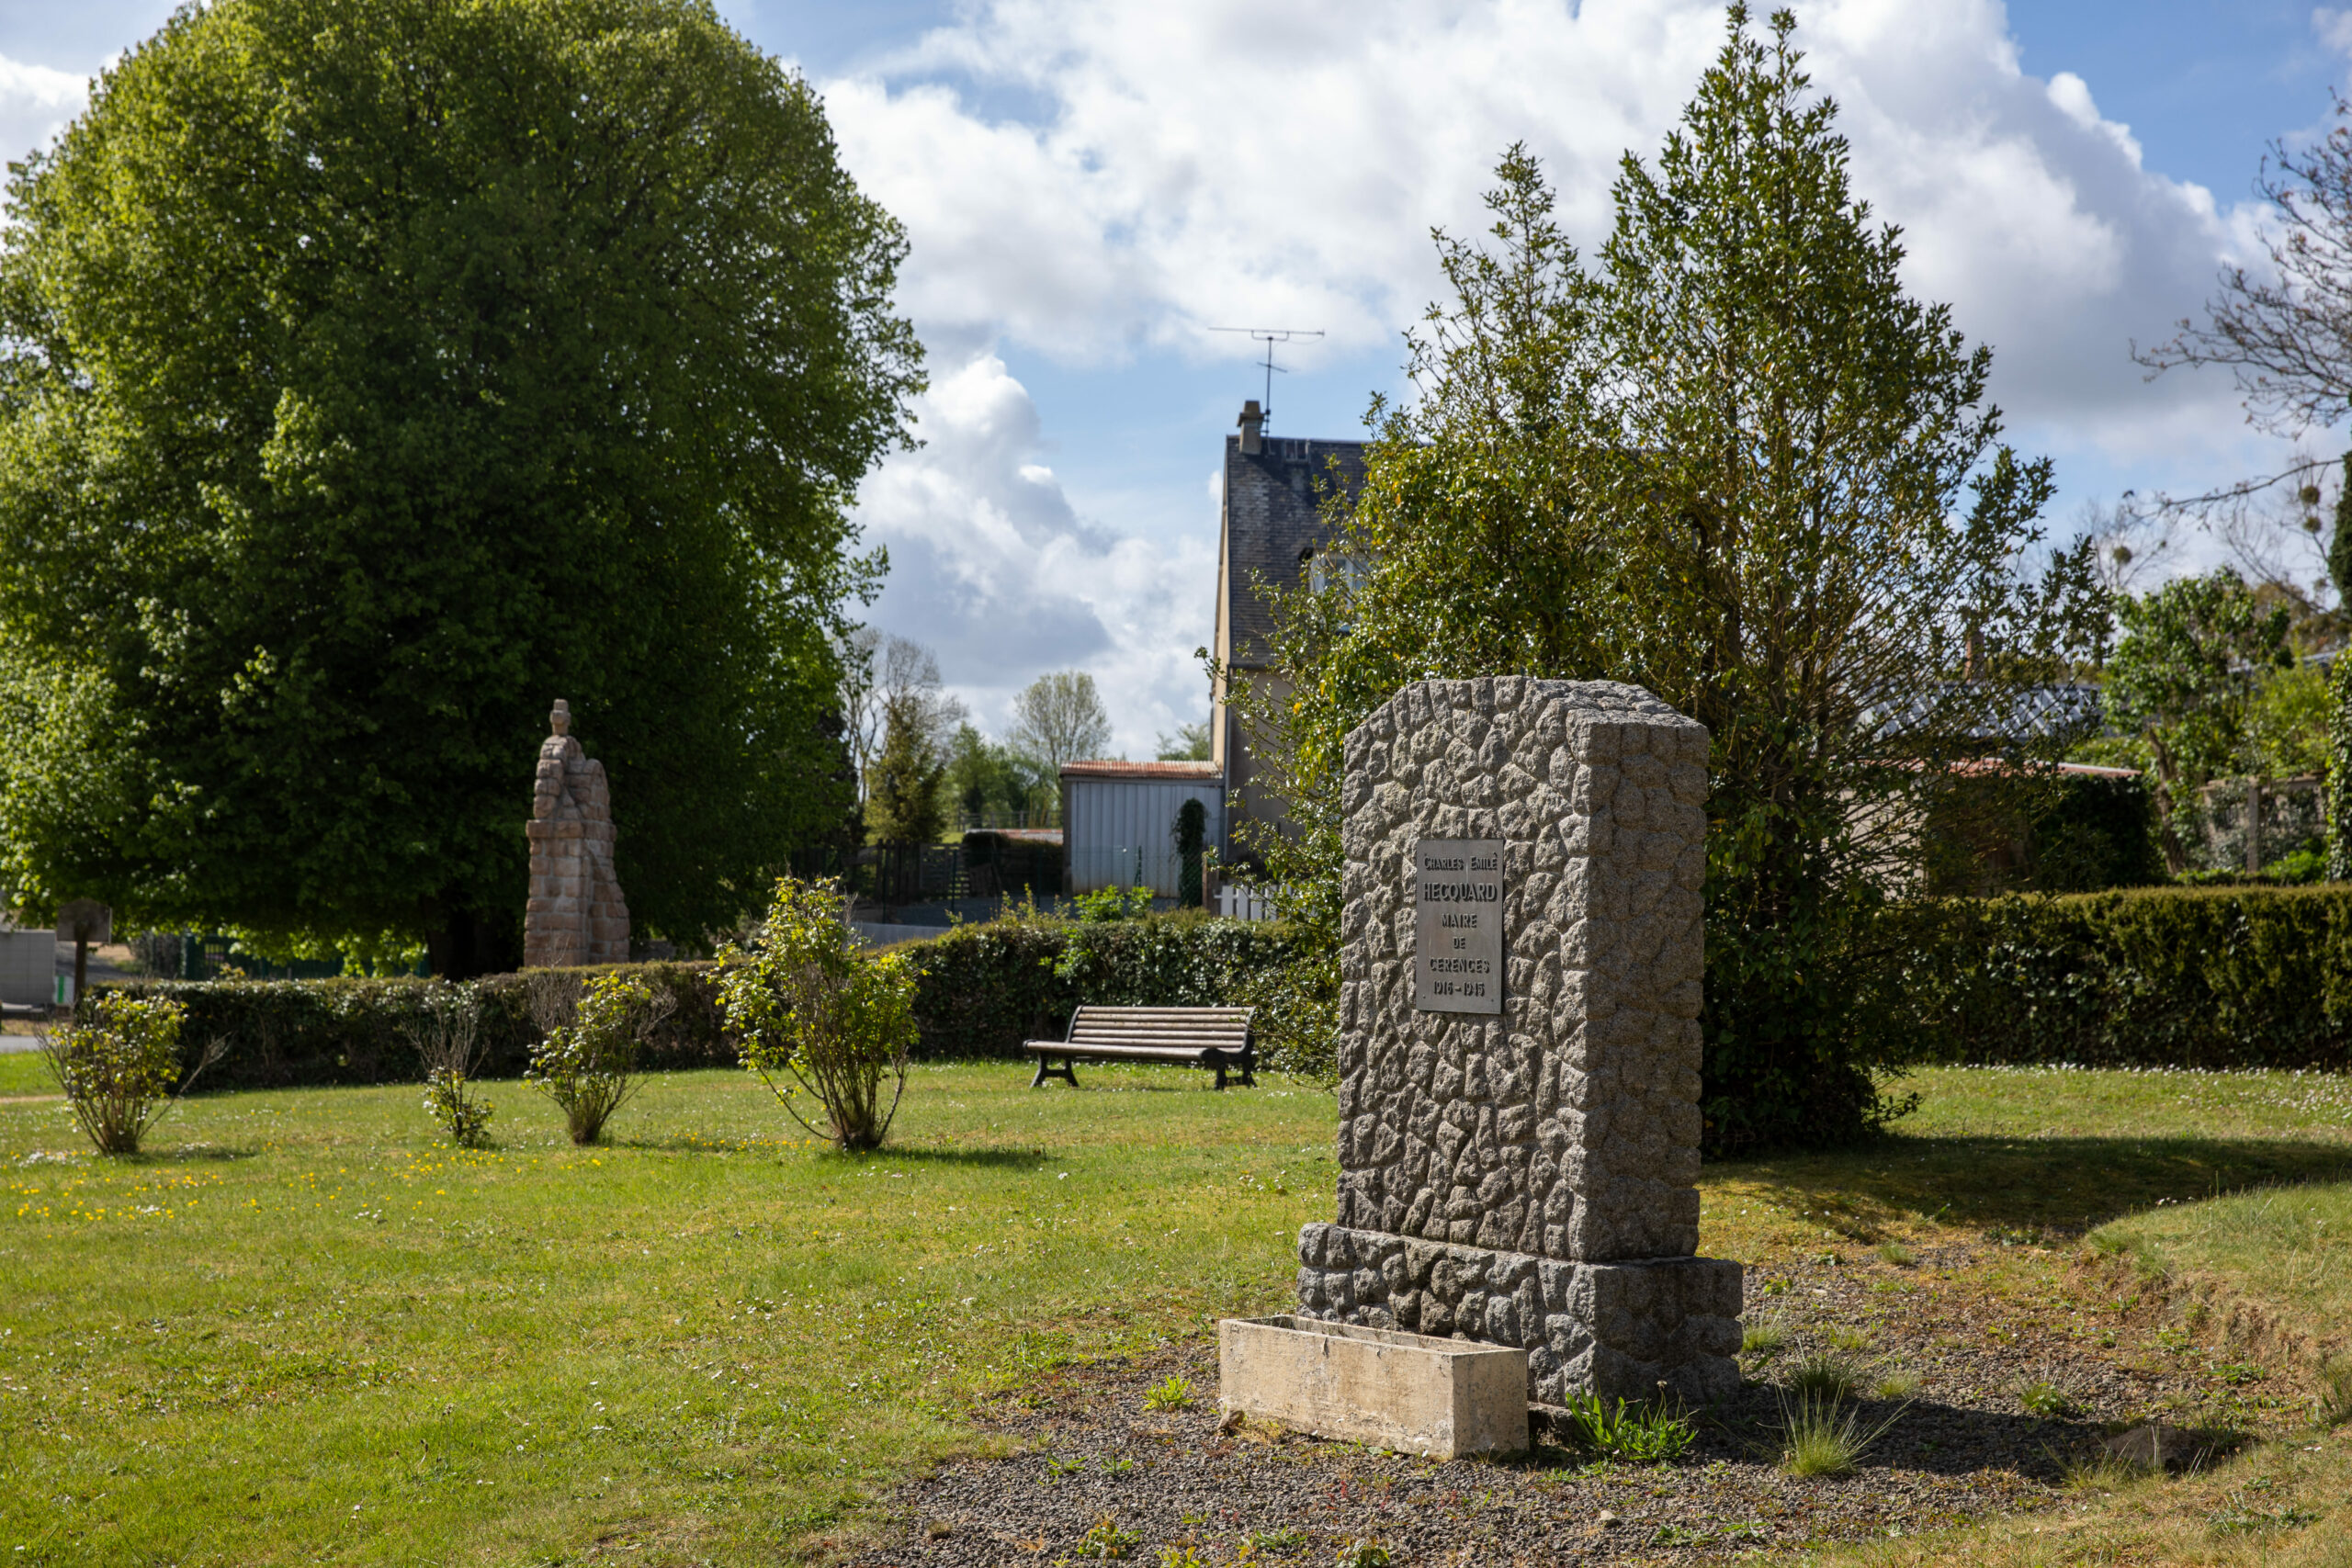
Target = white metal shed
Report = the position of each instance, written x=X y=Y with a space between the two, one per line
x=1119 y=821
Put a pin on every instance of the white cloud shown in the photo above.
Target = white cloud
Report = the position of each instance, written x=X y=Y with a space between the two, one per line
x=1165 y=168
x=992 y=566
x=1192 y=165
x=35 y=102
x=2333 y=27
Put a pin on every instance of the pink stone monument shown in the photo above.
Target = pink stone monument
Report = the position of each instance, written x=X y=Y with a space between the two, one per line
x=576 y=914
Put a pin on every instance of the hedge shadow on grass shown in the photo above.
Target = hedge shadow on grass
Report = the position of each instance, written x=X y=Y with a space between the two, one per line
x=2028 y=1188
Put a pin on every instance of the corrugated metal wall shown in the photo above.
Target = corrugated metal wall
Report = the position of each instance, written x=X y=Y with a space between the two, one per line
x=1122 y=832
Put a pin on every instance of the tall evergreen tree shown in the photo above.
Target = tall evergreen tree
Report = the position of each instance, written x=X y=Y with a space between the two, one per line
x=1736 y=464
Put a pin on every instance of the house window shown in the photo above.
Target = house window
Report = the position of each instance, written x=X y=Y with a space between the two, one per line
x=1322 y=569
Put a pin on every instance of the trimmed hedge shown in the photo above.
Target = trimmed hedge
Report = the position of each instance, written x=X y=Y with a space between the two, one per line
x=980 y=992
x=2163 y=976
x=2159 y=976
x=290 y=1034
x=982 y=989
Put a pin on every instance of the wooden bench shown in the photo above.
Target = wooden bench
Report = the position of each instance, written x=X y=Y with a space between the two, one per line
x=1216 y=1038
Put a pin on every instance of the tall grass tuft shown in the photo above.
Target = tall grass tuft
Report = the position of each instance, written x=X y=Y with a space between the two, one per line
x=1826 y=1374
x=1823 y=1436
x=2335 y=1393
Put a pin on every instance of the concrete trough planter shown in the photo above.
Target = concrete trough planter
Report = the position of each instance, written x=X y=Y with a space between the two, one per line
x=1440 y=1398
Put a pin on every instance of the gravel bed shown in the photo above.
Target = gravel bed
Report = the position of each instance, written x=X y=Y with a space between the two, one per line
x=1961 y=1445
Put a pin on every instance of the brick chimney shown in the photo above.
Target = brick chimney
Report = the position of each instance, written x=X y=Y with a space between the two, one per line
x=1253 y=428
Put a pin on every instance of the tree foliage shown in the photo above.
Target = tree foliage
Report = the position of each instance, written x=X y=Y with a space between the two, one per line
x=1059 y=718
x=375 y=371
x=2192 y=658
x=1734 y=463
x=904 y=802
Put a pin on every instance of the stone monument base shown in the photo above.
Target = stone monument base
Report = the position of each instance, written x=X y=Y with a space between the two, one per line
x=1615 y=1329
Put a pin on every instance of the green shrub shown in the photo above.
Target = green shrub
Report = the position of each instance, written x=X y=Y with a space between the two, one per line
x=1106 y=1542
x=308 y=1034
x=588 y=1066
x=118 y=1065
x=2168 y=977
x=816 y=1016
x=1174 y=1393
x=980 y=991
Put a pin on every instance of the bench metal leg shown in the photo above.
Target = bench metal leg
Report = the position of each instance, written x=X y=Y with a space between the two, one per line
x=1250 y=1067
x=1066 y=1072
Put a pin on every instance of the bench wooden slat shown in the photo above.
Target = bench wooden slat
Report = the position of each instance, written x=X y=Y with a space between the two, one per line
x=1216 y=1038
x=1151 y=1036
x=1157 y=1053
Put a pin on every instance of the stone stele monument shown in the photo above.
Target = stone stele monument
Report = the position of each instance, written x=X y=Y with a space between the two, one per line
x=1519 y=1038
x=576 y=914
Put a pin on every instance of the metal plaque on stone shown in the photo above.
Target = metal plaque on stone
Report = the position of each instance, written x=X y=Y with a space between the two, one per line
x=1458 y=925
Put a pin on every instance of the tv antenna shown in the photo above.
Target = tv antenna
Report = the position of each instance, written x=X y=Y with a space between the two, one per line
x=1270 y=336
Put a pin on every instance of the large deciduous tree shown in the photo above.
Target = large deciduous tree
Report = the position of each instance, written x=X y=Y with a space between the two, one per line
x=1736 y=463
x=376 y=372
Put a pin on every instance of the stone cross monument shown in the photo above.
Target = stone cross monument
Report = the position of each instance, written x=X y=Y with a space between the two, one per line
x=576 y=914
x=1519 y=1038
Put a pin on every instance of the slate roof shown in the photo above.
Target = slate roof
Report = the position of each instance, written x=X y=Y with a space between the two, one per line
x=1272 y=502
x=2069 y=711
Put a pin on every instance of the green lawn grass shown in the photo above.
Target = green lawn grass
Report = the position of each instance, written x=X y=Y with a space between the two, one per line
x=300 y=1329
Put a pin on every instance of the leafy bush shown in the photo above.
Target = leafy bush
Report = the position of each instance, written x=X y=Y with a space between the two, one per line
x=118 y=1065
x=448 y=1044
x=2168 y=977
x=980 y=991
x=304 y=1034
x=589 y=1067
x=810 y=1009
x=1106 y=1542
x=1113 y=904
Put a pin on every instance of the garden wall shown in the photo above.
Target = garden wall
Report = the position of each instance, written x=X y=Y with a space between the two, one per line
x=980 y=992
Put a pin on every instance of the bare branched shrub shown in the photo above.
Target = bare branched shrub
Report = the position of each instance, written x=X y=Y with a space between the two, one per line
x=119 y=1064
x=448 y=1044
x=588 y=1067
x=554 y=999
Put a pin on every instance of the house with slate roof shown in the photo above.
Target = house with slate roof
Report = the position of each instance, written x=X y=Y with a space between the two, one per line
x=1270 y=530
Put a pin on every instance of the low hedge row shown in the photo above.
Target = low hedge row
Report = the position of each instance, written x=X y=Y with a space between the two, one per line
x=2161 y=976
x=288 y=1033
x=2178 y=977
x=980 y=992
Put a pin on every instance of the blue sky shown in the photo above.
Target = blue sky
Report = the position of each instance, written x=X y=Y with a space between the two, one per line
x=1089 y=186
